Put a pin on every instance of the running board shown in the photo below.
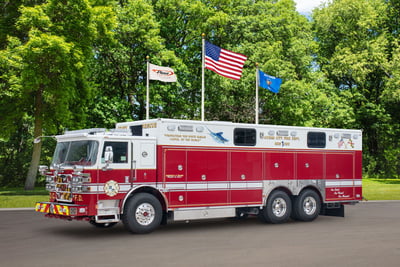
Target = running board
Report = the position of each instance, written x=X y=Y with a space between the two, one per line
x=107 y=218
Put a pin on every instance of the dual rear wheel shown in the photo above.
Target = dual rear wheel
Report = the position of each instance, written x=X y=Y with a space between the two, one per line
x=280 y=207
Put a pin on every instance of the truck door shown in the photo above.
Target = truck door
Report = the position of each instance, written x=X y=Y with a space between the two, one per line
x=143 y=163
x=114 y=170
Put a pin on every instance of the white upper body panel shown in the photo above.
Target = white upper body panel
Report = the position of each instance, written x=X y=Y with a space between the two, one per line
x=227 y=134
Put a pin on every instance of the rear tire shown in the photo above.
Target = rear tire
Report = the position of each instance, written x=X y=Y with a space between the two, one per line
x=278 y=208
x=142 y=213
x=306 y=206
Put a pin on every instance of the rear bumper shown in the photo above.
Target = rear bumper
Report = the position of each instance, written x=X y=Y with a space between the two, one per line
x=61 y=209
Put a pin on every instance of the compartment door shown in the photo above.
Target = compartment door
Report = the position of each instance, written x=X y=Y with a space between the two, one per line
x=207 y=177
x=246 y=177
x=340 y=174
x=174 y=176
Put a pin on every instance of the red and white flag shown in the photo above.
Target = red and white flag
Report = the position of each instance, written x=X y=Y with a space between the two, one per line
x=163 y=74
x=224 y=62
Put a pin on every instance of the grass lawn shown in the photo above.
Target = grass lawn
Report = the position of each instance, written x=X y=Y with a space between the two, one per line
x=373 y=189
x=19 y=198
x=381 y=189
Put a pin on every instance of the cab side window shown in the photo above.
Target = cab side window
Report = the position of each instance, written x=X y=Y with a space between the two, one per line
x=119 y=152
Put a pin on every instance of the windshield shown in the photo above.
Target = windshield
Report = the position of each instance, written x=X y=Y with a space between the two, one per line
x=75 y=153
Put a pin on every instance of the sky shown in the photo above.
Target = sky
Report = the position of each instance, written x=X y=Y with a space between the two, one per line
x=306 y=6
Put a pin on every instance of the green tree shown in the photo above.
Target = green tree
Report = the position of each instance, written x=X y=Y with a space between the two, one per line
x=9 y=16
x=271 y=33
x=358 y=51
x=46 y=77
x=119 y=66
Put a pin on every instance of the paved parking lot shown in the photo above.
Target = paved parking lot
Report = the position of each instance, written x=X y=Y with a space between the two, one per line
x=369 y=235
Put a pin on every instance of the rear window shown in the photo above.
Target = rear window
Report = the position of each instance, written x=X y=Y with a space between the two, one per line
x=316 y=139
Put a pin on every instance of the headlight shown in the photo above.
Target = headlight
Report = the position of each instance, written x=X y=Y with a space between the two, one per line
x=79 y=177
x=80 y=188
x=50 y=187
x=77 y=189
x=49 y=179
x=76 y=179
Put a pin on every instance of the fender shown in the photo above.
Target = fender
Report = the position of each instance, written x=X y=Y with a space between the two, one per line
x=151 y=189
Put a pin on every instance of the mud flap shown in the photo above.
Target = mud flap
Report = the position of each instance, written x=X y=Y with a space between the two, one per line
x=332 y=210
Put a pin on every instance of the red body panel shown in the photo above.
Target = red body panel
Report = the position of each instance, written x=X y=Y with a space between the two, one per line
x=279 y=165
x=247 y=163
x=310 y=165
x=340 y=165
x=233 y=176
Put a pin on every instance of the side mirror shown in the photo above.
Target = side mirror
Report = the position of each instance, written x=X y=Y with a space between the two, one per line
x=108 y=157
x=108 y=154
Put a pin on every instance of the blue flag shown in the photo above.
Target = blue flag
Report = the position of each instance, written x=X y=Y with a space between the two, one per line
x=269 y=82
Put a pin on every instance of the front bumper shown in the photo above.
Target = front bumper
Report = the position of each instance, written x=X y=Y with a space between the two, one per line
x=61 y=209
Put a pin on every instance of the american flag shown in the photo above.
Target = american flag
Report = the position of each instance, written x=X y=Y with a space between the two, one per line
x=224 y=62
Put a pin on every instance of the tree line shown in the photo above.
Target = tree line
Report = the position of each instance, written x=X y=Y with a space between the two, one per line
x=72 y=64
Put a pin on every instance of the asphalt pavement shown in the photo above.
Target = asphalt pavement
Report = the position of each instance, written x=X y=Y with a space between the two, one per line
x=369 y=235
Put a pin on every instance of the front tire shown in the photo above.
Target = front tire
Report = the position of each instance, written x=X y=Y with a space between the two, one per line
x=278 y=208
x=142 y=213
x=306 y=206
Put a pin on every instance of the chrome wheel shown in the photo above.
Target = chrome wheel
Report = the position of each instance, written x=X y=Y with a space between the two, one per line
x=306 y=206
x=309 y=205
x=279 y=207
x=142 y=213
x=145 y=214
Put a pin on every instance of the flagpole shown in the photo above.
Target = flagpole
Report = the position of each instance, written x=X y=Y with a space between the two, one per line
x=257 y=82
x=147 y=88
x=202 y=75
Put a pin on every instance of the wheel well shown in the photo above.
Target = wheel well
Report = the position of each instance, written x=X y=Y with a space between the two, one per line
x=151 y=191
x=284 y=189
x=293 y=195
x=280 y=188
x=313 y=189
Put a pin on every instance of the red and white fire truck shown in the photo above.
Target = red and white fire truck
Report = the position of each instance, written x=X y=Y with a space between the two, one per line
x=146 y=173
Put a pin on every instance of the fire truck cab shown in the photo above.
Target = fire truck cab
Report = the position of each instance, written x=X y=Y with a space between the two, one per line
x=146 y=173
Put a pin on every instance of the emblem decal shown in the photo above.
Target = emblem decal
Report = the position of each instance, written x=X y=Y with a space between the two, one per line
x=111 y=188
x=218 y=137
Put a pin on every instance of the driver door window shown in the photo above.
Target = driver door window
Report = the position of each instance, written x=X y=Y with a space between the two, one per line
x=119 y=151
